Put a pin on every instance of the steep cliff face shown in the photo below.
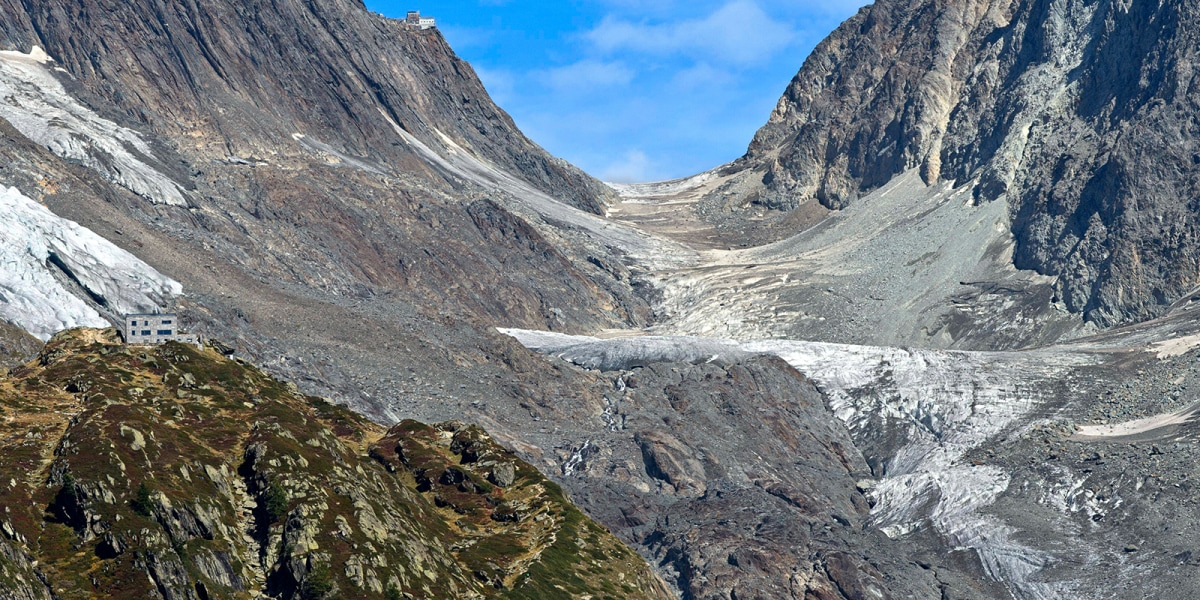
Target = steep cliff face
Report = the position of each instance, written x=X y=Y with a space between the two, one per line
x=1077 y=114
x=16 y=345
x=241 y=79
x=176 y=473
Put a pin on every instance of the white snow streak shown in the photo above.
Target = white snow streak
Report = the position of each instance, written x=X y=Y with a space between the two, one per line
x=38 y=106
x=655 y=253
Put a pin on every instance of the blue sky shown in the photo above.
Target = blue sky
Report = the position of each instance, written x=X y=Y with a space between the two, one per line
x=630 y=90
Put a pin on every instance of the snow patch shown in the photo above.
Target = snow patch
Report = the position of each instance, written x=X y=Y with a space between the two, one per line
x=36 y=55
x=32 y=297
x=1135 y=427
x=39 y=107
x=635 y=192
x=460 y=163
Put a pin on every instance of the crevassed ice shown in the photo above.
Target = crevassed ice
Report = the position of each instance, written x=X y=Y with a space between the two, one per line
x=34 y=299
x=944 y=403
x=38 y=106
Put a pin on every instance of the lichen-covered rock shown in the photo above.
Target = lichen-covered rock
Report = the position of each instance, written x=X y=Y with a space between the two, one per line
x=116 y=486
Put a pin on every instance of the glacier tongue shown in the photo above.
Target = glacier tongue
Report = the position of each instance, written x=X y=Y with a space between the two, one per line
x=30 y=295
x=38 y=106
x=934 y=405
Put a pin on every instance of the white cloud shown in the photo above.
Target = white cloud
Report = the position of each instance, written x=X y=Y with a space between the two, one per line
x=586 y=75
x=739 y=32
x=468 y=37
x=634 y=167
x=702 y=76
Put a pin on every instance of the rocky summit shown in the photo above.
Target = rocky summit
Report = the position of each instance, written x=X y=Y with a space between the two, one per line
x=1077 y=115
x=934 y=336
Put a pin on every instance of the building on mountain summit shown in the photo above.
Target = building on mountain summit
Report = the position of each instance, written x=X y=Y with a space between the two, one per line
x=152 y=330
x=414 y=19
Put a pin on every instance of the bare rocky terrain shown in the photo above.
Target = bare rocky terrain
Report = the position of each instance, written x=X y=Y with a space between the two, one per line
x=176 y=473
x=933 y=336
x=1061 y=468
x=1076 y=115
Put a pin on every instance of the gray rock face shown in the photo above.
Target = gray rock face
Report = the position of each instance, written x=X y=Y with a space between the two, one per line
x=365 y=236
x=21 y=580
x=319 y=212
x=240 y=78
x=735 y=478
x=16 y=346
x=1078 y=114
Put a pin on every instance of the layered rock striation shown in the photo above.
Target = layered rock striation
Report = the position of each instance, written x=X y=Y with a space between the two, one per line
x=386 y=209
x=239 y=80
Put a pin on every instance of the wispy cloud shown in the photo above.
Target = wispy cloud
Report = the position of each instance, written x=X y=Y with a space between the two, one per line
x=586 y=75
x=634 y=90
x=701 y=76
x=500 y=83
x=739 y=32
x=468 y=37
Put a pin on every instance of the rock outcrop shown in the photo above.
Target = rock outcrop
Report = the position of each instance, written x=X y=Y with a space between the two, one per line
x=238 y=80
x=16 y=345
x=175 y=473
x=1077 y=114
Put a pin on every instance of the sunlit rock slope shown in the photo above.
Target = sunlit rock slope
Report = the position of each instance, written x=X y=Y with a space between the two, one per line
x=1076 y=114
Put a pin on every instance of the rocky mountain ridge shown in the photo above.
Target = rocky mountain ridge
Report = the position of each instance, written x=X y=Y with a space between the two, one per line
x=1076 y=114
x=196 y=71
x=175 y=473
x=365 y=239
x=349 y=213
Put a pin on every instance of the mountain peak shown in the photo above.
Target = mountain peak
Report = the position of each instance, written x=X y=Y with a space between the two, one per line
x=1075 y=114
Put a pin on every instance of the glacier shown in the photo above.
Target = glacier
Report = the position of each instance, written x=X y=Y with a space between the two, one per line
x=937 y=404
x=35 y=242
x=38 y=106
